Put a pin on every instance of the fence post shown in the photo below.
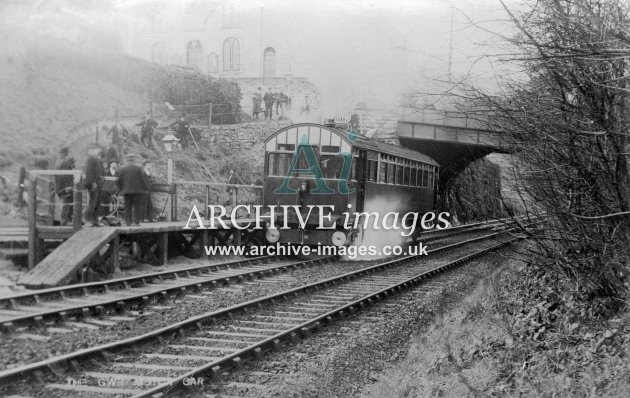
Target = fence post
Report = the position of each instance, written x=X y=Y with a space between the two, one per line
x=207 y=202
x=174 y=204
x=77 y=204
x=32 y=222
x=19 y=200
x=51 y=202
x=210 y=116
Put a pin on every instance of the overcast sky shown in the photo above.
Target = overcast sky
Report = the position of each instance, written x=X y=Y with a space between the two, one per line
x=377 y=49
x=344 y=46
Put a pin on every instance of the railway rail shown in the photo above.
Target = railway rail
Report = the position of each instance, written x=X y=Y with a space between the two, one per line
x=272 y=321
x=41 y=307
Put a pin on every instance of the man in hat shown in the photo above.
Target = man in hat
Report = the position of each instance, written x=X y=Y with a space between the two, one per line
x=268 y=99
x=119 y=135
x=93 y=181
x=133 y=184
x=181 y=129
x=148 y=202
x=63 y=156
x=146 y=132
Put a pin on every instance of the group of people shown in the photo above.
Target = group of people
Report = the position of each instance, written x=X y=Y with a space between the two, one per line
x=269 y=99
x=134 y=183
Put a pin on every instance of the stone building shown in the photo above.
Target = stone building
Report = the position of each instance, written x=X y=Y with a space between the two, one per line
x=237 y=41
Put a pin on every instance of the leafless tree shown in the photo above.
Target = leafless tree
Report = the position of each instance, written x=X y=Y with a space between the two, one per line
x=567 y=125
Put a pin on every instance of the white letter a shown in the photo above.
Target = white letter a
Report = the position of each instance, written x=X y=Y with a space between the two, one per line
x=197 y=216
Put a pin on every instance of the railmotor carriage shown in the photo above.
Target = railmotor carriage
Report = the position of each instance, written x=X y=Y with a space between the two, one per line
x=381 y=178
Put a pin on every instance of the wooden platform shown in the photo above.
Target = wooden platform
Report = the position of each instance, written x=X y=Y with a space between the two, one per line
x=61 y=266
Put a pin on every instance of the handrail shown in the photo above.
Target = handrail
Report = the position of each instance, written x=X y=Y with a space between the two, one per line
x=217 y=184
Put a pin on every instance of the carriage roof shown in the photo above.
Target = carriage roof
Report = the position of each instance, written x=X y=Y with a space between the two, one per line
x=330 y=136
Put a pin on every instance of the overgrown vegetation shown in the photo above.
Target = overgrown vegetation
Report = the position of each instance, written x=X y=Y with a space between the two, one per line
x=517 y=335
x=558 y=324
x=157 y=83
x=475 y=193
x=567 y=127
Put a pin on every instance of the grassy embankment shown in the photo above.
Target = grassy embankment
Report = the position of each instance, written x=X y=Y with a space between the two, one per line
x=517 y=334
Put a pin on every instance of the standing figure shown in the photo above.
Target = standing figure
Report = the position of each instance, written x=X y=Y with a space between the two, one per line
x=257 y=100
x=232 y=190
x=146 y=133
x=93 y=181
x=147 y=206
x=282 y=100
x=119 y=135
x=181 y=129
x=107 y=193
x=63 y=188
x=268 y=99
x=63 y=156
x=133 y=185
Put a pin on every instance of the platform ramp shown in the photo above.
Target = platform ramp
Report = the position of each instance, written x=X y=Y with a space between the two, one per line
x=61 y=266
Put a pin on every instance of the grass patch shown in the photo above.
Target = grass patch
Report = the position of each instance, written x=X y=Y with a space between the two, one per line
x=509 y=338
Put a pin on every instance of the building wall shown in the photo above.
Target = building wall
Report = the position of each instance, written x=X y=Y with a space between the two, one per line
x=210 y=23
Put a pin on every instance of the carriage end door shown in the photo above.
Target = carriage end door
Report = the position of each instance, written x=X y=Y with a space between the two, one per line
x=361 y=177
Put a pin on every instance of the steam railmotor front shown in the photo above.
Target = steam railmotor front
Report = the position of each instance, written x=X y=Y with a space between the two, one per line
x=309 y=165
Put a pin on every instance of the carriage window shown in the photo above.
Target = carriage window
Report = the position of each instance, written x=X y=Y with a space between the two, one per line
x=414 y=176
x=399 y=175
x=372 y=170
x=331 y=166
x=279 y=163
x=391 y=173
x=330 y=148
x=407 y=174
x=286 y=147
x=430 y=184
x=382 y=175
x=425 y=178
x=302 y=162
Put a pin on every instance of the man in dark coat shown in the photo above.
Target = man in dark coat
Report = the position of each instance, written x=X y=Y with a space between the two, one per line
x=146 y=133
x=181 y=129
x=63 y=188
x=133 y=184
x=268 y=99
x=119 y=135
x=63 y=156
x=148 y=202
x=93 y=180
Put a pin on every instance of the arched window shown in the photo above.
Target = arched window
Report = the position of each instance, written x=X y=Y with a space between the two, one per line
x=213 y=63
x=194 y=54
x=158 y=53
x=176 y=60
x=269 y=62
x=231 y=55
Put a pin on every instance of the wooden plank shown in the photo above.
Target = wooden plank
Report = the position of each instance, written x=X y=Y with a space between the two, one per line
x=62 y=263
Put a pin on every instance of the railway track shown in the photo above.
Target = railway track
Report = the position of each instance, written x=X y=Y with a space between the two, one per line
x=44 y=308
x=207 y=343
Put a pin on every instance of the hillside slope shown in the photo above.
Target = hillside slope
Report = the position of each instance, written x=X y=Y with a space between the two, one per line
x=49 y=90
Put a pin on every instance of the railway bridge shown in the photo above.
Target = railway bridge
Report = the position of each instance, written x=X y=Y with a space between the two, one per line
x=453 y=139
